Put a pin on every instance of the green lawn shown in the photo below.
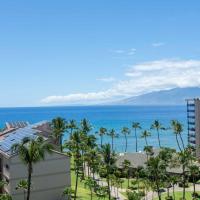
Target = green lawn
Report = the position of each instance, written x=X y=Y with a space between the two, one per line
x=125 y=183
x=178 y=195
x=82 y=193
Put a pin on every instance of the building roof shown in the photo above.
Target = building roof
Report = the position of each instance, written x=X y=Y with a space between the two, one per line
x=139 y=159
x=17 y=135
x=136 y=159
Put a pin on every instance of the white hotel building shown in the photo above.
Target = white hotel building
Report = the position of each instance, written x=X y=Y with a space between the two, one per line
x=50 y=176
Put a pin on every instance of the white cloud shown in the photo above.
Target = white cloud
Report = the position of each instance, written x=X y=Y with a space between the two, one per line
x=131 y=51
x=106 y=79
x=158 y=44
x=118 y=51
x=127 y=52
x=140 y=79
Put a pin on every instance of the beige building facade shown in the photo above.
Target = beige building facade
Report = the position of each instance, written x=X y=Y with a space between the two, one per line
x=49 y=177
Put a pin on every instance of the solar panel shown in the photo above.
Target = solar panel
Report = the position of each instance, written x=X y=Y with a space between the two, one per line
x=17 y=136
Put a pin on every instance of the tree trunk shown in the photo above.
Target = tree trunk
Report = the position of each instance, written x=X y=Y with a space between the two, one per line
x=83 y=166
x=91 y=193
x=136 y=141
x=178 y=143
x=182 y=141
x=112 y=143
x=29 y=180
x=71 y=132
x=174 y=192
x=76 y=185
x=194 y=186
x=126 y=143
x=158 y=135
x=183 y=182
x=128 y=181
x=61 y=149
x=146 y=141
x=168 y=191
x=88 y=169
x=101 y=140
x=108 y=182
x=158 y=188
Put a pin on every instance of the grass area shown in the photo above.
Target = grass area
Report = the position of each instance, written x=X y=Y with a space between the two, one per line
x=125 y=183
x=178 y=195
x=82 y=193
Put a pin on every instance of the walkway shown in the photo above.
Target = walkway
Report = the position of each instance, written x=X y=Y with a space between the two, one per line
x=151 y=195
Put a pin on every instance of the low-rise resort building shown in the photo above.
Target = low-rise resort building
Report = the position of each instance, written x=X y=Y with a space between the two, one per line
x=49 y=177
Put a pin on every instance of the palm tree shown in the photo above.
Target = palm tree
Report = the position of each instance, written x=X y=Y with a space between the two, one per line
x=90 y=183
x=174 y=181
x=135 y=126
x=178 y=129
x=149 y=151
x=58 y=128
x=126 y=167
x=5 y=197
x=144 y=135
x=113 y=135
x=73 y=145
x=71 y=125
x=194 y=173
x=31 y=151
x=157 y=126
x=156 y=173
x=23 y=185
x=85 y=126
x=125 y=131
x=185 y=158
x=109 y=159
x=67 y=192
x=102 y=132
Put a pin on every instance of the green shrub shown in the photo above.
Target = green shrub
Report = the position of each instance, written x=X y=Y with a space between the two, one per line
x=169 y=198
x=181 y=184
x=141 y=193
x=133 y=196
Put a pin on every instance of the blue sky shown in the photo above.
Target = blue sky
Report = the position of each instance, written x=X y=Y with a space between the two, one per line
x=74 y=52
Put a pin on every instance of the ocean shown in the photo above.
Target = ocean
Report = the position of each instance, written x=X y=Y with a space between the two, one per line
x=109 y=117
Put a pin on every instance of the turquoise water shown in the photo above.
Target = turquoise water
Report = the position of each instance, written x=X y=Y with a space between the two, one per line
x=110 y=117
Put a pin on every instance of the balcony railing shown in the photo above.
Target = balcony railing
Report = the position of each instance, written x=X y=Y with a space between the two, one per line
x=191 y=104
x=191 y=117
x=190 y=110
x=191 y=135
x=192 y=141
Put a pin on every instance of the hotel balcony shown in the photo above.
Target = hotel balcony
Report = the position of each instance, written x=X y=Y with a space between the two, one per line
x=191 y=104
x=191 y=141
x=191 y=123
x=191 y=117
x=191 y=129
x=191 y=110
x=191 y=135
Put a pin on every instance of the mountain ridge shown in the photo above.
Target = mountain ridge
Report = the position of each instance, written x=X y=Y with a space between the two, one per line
x=175 y=96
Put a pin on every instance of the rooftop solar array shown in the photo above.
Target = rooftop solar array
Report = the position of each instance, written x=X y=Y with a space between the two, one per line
x=16 y=137
x=19 y=124
x=38 y=124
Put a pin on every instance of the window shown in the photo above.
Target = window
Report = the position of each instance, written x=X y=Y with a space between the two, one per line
x=7 y=166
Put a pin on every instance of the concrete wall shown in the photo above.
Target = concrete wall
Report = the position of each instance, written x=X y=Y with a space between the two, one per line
x=49 y=177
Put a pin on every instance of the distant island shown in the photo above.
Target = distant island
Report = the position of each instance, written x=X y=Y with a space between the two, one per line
x=174 y=96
